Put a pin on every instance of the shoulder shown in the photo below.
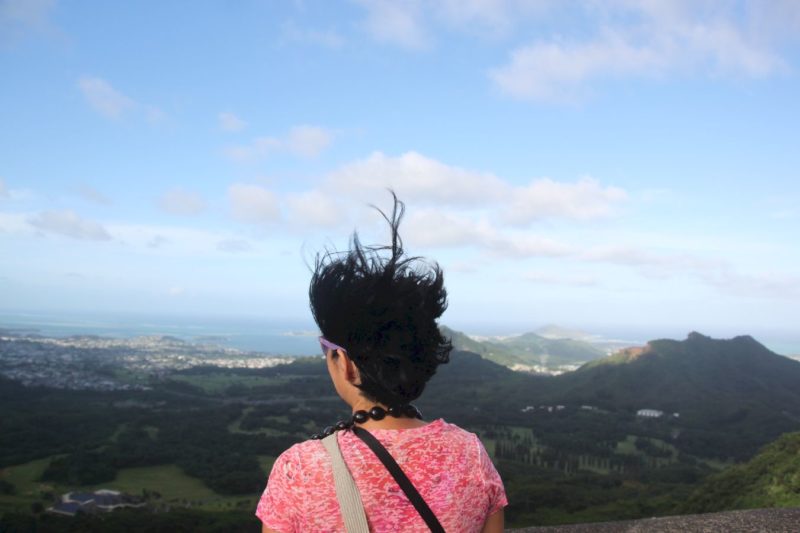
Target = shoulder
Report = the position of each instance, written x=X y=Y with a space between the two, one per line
x=448 y=440
x=481 y=466
x=468 y=444
x=301 y=460
x=454 y=430
x=296 y=473
x=455 y=433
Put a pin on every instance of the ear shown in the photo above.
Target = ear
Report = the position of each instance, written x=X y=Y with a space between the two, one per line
x=349 y=369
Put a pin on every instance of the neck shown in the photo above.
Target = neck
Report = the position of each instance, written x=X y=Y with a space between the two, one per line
x=368 y=415
x=363 y=404
x=393 y=423
x=389 y=422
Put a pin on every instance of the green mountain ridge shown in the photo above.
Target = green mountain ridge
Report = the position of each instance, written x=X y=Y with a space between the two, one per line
x=560 y=461
x=671 y=375
x=527 y=350
x=553 y=331
x=770 y=479
x=719 y=388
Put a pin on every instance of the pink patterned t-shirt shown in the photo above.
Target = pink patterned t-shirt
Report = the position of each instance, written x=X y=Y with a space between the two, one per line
x=448 y=466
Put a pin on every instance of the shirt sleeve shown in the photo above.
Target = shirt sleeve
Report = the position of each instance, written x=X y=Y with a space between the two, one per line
x=492 y=483
x=278 y=504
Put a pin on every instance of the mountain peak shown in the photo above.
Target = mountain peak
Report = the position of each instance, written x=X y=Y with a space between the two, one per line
x=747 y=339
x=553 y=331
x=742 y=341
x=697 y=337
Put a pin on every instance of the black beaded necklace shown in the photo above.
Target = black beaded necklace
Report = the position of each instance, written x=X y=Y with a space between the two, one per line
x=376 y=413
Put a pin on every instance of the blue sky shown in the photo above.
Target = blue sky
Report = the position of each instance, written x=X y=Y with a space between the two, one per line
x=604 y=165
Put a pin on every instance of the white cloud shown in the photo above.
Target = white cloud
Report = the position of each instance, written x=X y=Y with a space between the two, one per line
x=314 y=208
x=69 y=224
x=770 y=285
x=104 y=98
x=303 y=141
x=493 y=14
x=784 y=214
x=658 y=266
x=176 y=241
x=234 y=245
x=411 y=24
x=437 y=229
x=652 y=264
x=230 y=122
x=93 y=195
x=18 y=17
x=113 y=104
x=776 y=20
x=624 y=255
x=308 y=141
x=456 y=207
x=716 y=273
x=712 y=272
x=14 y=223
x=327 y=38
x=153 y=115
x=398 y=22
x=527 y=245
x=636 y=39
x=26 y=12
x=729 y=51
x=258 y=148
x=546 y=278
x=422 y=180
x=554 y=71
x=176 y=291
x=613 y=39
x=157 y=241
x=417 y=178
x=492 y=18
x=462 y=267
x=544 y=198
x=253 y=204
x=17 y=194
x=179 y=201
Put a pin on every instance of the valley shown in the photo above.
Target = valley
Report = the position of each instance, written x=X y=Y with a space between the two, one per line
x=200 y=439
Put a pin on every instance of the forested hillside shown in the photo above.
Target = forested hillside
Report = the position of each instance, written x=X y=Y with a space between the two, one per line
x=770 y=479
x=528 y=350
x=570 y=448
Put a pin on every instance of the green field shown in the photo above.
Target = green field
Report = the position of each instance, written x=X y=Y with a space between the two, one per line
x=27 y=488
x=235 y=426
x=25 y=477
x=169 y=481
x=218 y=382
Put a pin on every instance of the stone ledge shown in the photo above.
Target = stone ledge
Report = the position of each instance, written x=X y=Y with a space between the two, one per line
x=753 y=520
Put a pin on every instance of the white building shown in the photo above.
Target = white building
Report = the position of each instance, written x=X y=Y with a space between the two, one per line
x=649 y=413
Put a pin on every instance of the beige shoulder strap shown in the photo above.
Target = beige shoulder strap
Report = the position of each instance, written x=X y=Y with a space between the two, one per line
x=355 y=521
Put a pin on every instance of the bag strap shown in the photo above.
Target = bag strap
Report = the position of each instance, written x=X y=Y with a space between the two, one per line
x=355 y=521
x=400 y=477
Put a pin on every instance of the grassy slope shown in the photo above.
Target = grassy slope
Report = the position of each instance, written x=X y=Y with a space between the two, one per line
x=770 y=479
x=169 y=481
x=699 y=372
x=526 y=349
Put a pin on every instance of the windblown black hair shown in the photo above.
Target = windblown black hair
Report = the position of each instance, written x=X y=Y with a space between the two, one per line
x=382 y=307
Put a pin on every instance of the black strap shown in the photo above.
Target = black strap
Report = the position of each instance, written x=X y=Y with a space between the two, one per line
x=401 y=478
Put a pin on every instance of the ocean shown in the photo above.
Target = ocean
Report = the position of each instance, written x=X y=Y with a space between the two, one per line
x=277 y=337
x=299 y=337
